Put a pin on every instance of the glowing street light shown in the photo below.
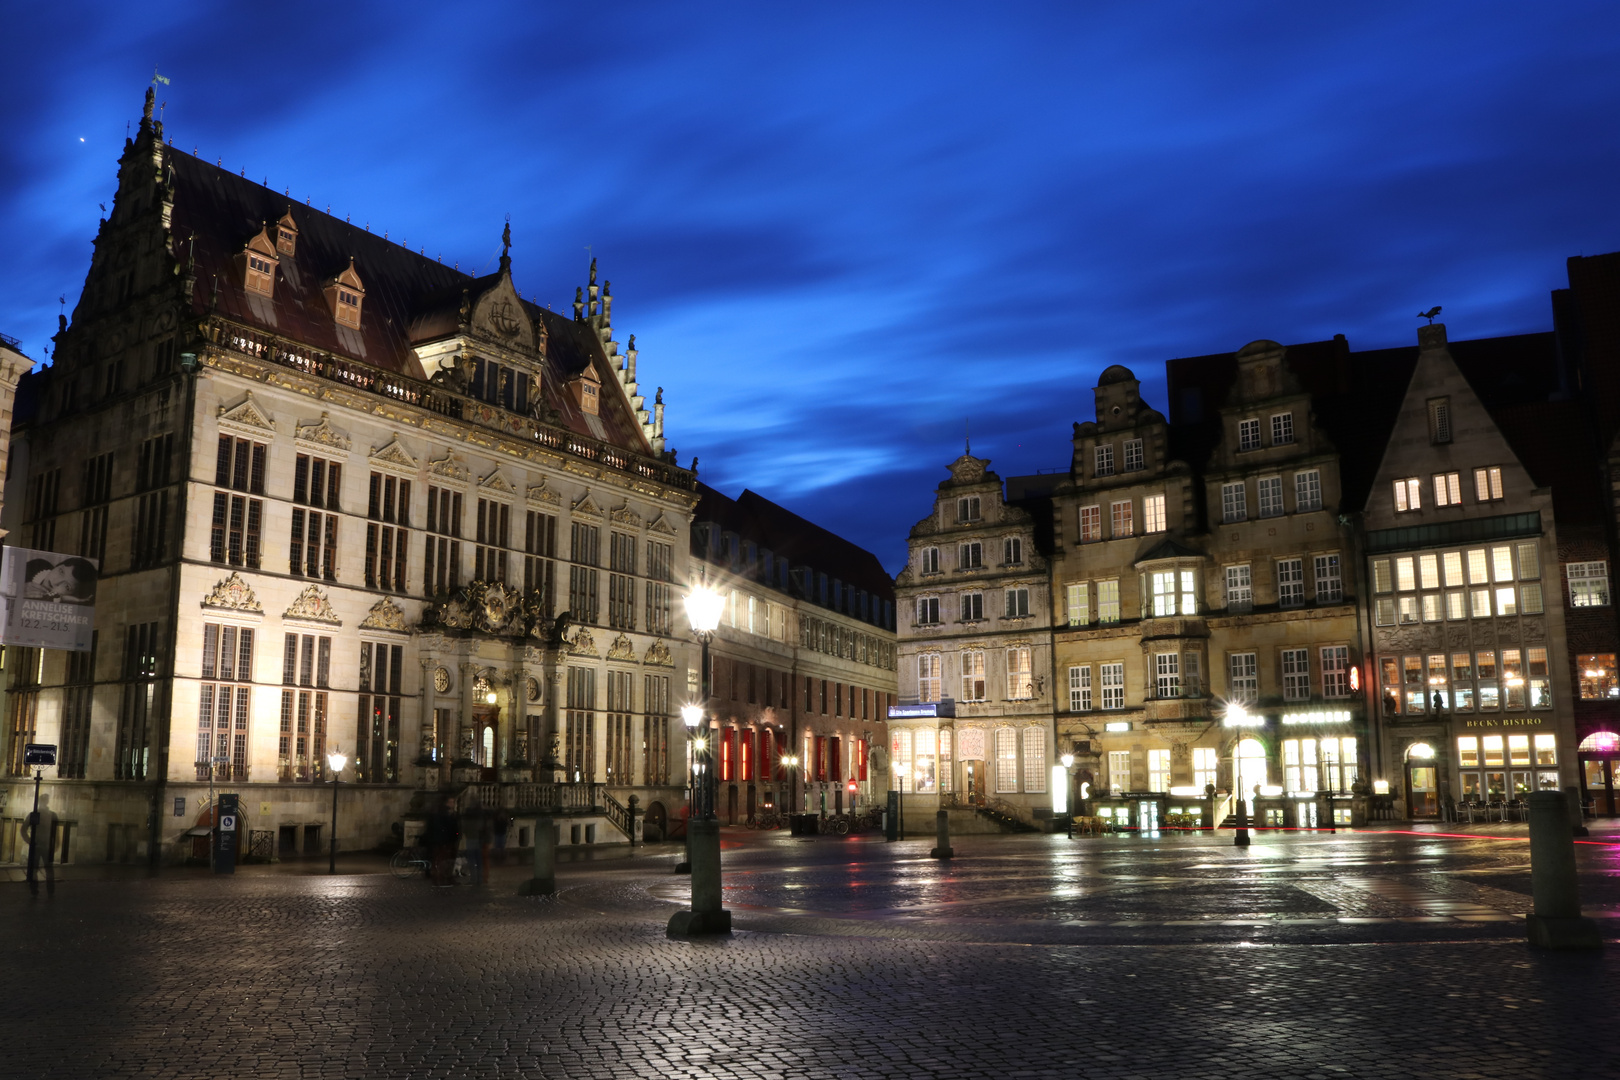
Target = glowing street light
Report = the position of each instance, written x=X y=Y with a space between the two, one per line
x=336 y=760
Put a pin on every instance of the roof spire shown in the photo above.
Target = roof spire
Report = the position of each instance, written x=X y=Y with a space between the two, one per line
x=607 y=303
x=506 y=246
x=591 y=292
x=146 y=110
x=579 y=304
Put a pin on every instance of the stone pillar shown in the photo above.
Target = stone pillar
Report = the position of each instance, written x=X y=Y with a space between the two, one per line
x=1556 y=922
x=459 y=743
x=551 y=766
x=942 y=836
x=544 y=881
x=706 y=915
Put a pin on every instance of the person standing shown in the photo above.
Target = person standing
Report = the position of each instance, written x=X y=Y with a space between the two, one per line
x=475 y=837
x=441 y=840
x=40 y=832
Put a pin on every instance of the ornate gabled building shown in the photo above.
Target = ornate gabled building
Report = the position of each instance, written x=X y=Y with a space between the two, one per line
x=974 y=723
x=343 y=497
x=802 y=662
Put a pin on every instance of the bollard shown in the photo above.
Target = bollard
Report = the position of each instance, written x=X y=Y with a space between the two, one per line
x=942 y=836
x=544 y=881
x=1577 y=819
x=1557 y=921
x=706 y=915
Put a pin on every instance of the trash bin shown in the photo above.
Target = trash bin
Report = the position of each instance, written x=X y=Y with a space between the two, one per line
x=803 y=824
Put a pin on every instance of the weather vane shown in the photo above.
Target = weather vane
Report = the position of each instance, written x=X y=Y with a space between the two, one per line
x=1430 y=314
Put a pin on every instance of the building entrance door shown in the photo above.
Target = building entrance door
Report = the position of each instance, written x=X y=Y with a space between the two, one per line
x=1599 y=755
x=1147 y=815
x=971 y=780
x=1423 y=790
x=1251 y=770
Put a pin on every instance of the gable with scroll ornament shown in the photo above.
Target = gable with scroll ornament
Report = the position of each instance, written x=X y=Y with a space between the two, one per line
x=248 y=414
x=312 y=606
x=622 y=649
x=385 y=615
x=233 y=594
x=322 y=433
x=395 y=455
x=658 y=655
x=662 y=525
x=625 y=516
x=448 y=466
x=586 y=508
x=583 y=644
x=542 y=494
x=497 y=482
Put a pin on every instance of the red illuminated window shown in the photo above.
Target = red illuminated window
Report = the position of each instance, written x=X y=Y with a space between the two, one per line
x=821 y=758
x=726 y=754
x=747 y=755
x=860 y=759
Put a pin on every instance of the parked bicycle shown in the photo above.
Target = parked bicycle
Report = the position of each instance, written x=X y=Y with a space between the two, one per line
x=767 y=818
x=409 y=862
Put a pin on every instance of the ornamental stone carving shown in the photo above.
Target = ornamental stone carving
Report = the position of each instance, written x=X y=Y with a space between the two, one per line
x=625 y=516
x=233 y=594
x=662 y=525
x=658 y=655
x=249 y=414
x=586 y=508
x=622 y=649
x=312 y=605
x=495 y=481
x=448 y=466
x=385 y=615
x=394 y=455
x=583 y=644
x=542 y=494
x=323 y=433
x=485 y=606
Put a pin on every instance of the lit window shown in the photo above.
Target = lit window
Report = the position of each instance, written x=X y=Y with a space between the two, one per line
x=1429 y=571
x=1408 y=495
x=1133 y=455
x=1006 y=759
x=1529 y=560
x=1454 y=569
x=1599 y=681
x=1535 y=662
x=1108 y=601
x=1079 y=598
x=1121 y=512
x=1113 y=685
x=1234 y=502
x=1308 y=490
x=1405 y=576
x=1381 y=578
x=1090 y=523
x=1105 y=460
x=1167 y=668
x=1158 y=770
x=344 y=295
x=1588 y=584
x=928 y=680
x=1271 y=498
x=1447 y=489
x=1153 y=514
x=973 y=682
x=1248 y=435
x=1080 y=689
x=1547 y=749
x=1204 y=765
x=1488 y=483
x=1020 y=675
x=1282 y=428
x=1478 y=569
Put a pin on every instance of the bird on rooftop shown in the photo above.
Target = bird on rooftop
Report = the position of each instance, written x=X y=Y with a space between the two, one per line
x=1430 y=314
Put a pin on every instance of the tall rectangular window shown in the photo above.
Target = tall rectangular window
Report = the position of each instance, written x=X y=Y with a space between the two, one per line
x=1122 y=522
x=1112 y=677
x=492 y=537
x=1158 y=769
x=1012 y=551
x=927 y=610
x=1167 y=675
x=1204 y=763
x=1239 y=589
x=973 y=680
x=1308 y=490
x=1108 y=602
x=224 y=708
x=1034 y=759
x=970 y=556
x=579 y=726
x=620 y=685
x=1296 y=674
x=1271 y=496
x=1408 y=495
x=1105 y=460
x=1440 y=420
x=928 y=677
x=1119 y=771
x=1290 y=583
x=25 y=666
x=1248 y=434
x=655 y=730
x=1078 y=602
x=77 y=696
x=388 y=510
x=972 y=606
x=43 y=491
x=377 y=729
x=1488 y=483
x=1090 y=523
x=1243 y=678
x=1017 y=603
x=441 y=560
x=660 y=572
x=1335 y=671
x=1447 y=489
x=312 y=547
x=539 y=558
x=1153 y=516
x=143 y=647
x=1329 y=579
x=622 y=581
x=1282 y=428
x=1020 y=675
x=585 y=554
x=1134 y=460
x=1006 y=748
x=306 y=668
x=1234 y=502
x=1080 y=688
x=237 y=519
x=967 y=509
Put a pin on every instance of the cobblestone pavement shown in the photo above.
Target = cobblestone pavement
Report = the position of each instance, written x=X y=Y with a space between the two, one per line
x=1310 y=956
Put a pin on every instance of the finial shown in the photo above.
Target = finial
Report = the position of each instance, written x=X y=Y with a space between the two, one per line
x=593 y=270
x=579 y=304
x=506 y=246
x=659 y=399
x=146 y=110
x=1430 y=314
x=607 y=301
x=967 y=438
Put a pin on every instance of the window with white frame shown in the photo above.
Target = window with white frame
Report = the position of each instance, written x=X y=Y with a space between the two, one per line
x=1020 y=674
x=1122 y=519
x=1012 y=550
x=1588 y=584
x=1112 y=678
x=1329 y=579
x=900 y=750
x=970 y=556
x=1408 y=494
x=1119 y=771
x=928 y=560
x=1173 y=592
x=1158 y=770
x=1234 y=502
x=1296 y=674
x=1034 y=759
x=1271 y=499
x=1006 y=759
x=1167 y=675
x=1134 y=461
x=928 y=677
x=1308 y=490
x=1017 y=603
x=1105 y=460
x=1290 y=582
x=973 y=681
x=1204 y=763
x=967 y=508
x=1243 y=678
x=1108 y=601
x=1282 y=428
x=1080 y=688
x=972 y=606
x=1239 y=589
x=1090 y=523
x=1153 y=519
x=927 y=610
x=1488 y=483
x=1447 y=489
x=1079 y=602
x=1249 y=434
x=1335 y=671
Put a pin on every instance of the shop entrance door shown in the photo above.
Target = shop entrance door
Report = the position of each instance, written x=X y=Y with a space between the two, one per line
x=1251 y=770
x=1423 y=790
x=1600 y=776
x=970 y=780
x=1147 y=815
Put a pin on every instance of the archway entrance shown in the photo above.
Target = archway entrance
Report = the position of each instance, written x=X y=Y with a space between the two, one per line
x=1422 y=782
x=1251 y=769
x=1599 y=754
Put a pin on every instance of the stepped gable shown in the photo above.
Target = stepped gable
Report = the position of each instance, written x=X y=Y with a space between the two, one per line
x=410 y=298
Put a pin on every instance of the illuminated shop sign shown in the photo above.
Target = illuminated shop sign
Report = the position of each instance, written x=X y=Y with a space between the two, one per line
x=925 y=711
x=1507 y=721
x=1117 y=725
x=1327 y=716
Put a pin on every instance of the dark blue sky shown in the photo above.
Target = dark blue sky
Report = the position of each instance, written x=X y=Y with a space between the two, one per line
x=840 y=232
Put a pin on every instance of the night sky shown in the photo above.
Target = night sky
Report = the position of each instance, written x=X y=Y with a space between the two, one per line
x=842 y=232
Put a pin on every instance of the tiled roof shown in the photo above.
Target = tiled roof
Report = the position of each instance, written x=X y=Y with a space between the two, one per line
x=802 y=543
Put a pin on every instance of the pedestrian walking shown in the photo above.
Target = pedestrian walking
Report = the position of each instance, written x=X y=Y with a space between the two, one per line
x=39 y=830
x=476 y=835
x=503 y=825
x=440 y=840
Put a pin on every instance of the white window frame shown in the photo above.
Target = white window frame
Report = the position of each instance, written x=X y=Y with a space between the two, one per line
x=972 y=607
x=1006 y=751
x=1078 y=596
x=1016 y=603
x=1103 y=460
x=1012 y=551
x=1290 y=583
x=1108 y=605
x=1282 y=428
x=1090 y=523
x=1119 y=771
x=929 y=560
x=1308 y=490
x=1243 y=677
x=1135 y=461
x=1239 y=588
x=1408 y=494
x=1167 y=675
x=975 y=685
x=1234 y=501
x=1112 y=679
x=970 y=555
x=1020 y=673
x=1296 y=674
x=1034 y=740
x=1121 y=518
x=927 y=611
x=1588 y=584
x=1328 y=574
x=930 y=681
x=1248 y=434
x=1153 y=514
x=1335 y=671
x=1159 y=769
x=1269 y=490
x=1080 y=688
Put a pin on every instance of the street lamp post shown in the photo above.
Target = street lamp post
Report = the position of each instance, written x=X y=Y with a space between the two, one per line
x=706 y=916
x=1237 y=716
x=790 y=762
x=336 y=760
x=1068 y=790
x=691 y=716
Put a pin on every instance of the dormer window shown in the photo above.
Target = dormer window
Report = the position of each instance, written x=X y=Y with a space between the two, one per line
x=587 y=391
x=258 y=264
x=344 y=295
x=287 y=234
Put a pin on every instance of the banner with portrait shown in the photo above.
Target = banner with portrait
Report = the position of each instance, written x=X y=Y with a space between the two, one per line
x=48 y=599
